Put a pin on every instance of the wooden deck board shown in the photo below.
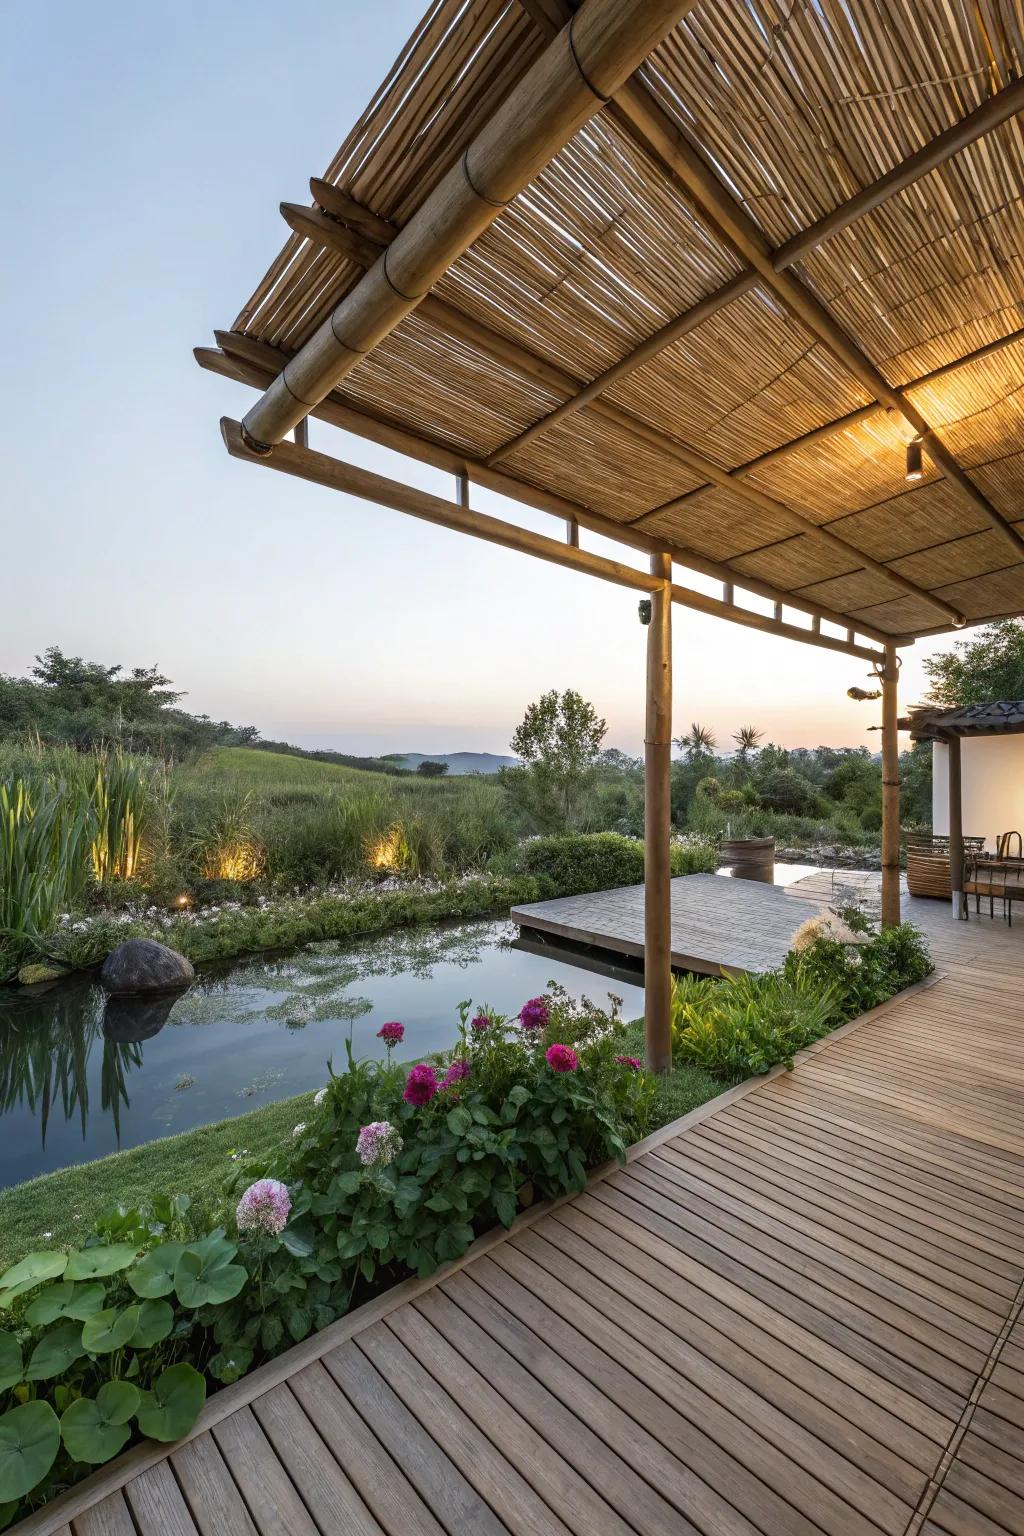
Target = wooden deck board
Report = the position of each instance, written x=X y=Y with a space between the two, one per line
x=795 y=1314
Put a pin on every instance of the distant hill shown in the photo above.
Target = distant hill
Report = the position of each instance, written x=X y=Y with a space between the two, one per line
x=458 y=762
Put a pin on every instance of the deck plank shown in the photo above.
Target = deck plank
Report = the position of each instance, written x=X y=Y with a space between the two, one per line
x=770 y=1323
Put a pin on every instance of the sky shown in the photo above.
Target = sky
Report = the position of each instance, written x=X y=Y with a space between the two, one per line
x=146 y=151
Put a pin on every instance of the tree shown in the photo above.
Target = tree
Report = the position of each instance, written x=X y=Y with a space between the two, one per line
x=698 y=742
x=746 y=739
x=982 y=670
x=558 y=741
x=428 y=769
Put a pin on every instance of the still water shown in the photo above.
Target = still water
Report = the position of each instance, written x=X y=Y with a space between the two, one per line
x=81 y=1075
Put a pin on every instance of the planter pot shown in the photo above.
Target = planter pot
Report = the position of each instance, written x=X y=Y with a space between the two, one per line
x=526 y=1195
x=750 y=858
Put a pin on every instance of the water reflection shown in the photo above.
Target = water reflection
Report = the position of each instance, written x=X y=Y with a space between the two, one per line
x=82 y=1075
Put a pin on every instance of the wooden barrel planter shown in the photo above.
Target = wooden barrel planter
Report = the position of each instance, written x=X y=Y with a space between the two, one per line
x=750 y=858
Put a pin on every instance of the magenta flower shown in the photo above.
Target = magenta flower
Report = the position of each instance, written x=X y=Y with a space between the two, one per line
x=458 y=1070
x=264 y=1208
x=378 y=1144
x=420 y=1085
x=629 y=1061
x=480 y=1023
x=561 y=1058
x=391 y=1033
x=534 y=1014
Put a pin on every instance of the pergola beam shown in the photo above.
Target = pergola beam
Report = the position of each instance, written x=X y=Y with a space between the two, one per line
x=337 y=474
x=326 y=230
x=599 y=48
x=640 y=112
x=255 y=363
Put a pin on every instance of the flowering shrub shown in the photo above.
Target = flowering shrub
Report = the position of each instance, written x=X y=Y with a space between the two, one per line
x=838 y=967
x=393 y=1172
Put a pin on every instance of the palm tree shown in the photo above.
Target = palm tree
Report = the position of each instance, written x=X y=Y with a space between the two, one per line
x=698 y=742
x=746 y=739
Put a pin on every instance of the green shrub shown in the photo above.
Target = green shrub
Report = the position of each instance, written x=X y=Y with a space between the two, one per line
x=743 y=1025
x=862 y=976
x=597 y=861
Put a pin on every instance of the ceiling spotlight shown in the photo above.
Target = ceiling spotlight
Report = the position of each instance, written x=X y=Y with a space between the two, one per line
x=914 y=469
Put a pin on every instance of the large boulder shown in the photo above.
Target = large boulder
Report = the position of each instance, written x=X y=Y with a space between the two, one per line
x=143 y=965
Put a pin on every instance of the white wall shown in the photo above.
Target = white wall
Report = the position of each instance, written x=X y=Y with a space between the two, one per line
x=992 y=775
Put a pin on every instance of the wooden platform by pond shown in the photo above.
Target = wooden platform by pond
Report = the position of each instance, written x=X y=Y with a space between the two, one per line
x=723 y=926
x=795 y=1312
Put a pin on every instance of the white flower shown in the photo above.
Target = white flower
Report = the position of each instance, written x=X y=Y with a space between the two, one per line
x=319 y=1097
x=298 y=1130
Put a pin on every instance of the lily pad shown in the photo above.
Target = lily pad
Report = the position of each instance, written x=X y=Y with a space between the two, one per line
x=95 y=1429
x=29 y=1441
x=32 y=1270
x=110 y=1329
x=153 y=1275
x=170 y=1410
x=205 y=1278
x=56 y=1350
x=156 y=1319
x=11 y=1367
x=65 y=1299
x=104 y=1259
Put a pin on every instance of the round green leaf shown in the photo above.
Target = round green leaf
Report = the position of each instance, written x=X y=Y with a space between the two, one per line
x=56 y=1350
x=201 y=1280
x=65 y=1299
x=93 y=1430
x=29 y=1271
x=29 y=1441
x=170 y=1410
x=156 y=1319
x=104 y=1259
x=110 y=1329
x=11 y=1368
x=153 y=1275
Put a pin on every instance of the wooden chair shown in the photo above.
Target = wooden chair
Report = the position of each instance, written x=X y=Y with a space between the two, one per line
x=1010 y=845
x=984 y=875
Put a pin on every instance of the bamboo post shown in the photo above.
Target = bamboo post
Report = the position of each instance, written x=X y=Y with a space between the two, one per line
x=890 y=792
x=658 y=825
x=956 y=831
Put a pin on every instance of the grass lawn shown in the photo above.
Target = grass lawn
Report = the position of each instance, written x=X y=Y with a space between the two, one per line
x=60 y=1208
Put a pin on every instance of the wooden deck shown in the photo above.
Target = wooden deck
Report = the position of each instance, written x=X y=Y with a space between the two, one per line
x=722 y=926
x=796 y=1312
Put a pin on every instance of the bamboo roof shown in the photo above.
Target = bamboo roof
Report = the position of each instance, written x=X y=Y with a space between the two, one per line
x=792 y=111
x=1003 y=718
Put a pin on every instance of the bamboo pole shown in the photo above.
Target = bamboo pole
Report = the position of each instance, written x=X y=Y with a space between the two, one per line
x=317 y=226
x=658 y=826
x=889 y=674
x=956 y=830
x=336 y=474
x=254 y=362
x=579 y=70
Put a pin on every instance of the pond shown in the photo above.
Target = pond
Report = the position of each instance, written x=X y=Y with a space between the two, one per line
x=81 y=1075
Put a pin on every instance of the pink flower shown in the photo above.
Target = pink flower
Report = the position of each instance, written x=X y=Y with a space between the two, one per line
x=629 y=1061
x=456 y=1072
x=378 y=1144
x=264 y=1208
x=534 y=1014
x=391 y=1033
x=480 y=1023
x=420 y=1085
x=560 y=1058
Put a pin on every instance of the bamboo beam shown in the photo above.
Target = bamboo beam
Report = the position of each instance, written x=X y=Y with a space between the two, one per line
x=641 y=113
x=316 y=225
x=658 y=825
x=674 y=331
x=562 y=90
x=889 y=675
x=336 y=474
x=254 y=363
x=833 y=428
